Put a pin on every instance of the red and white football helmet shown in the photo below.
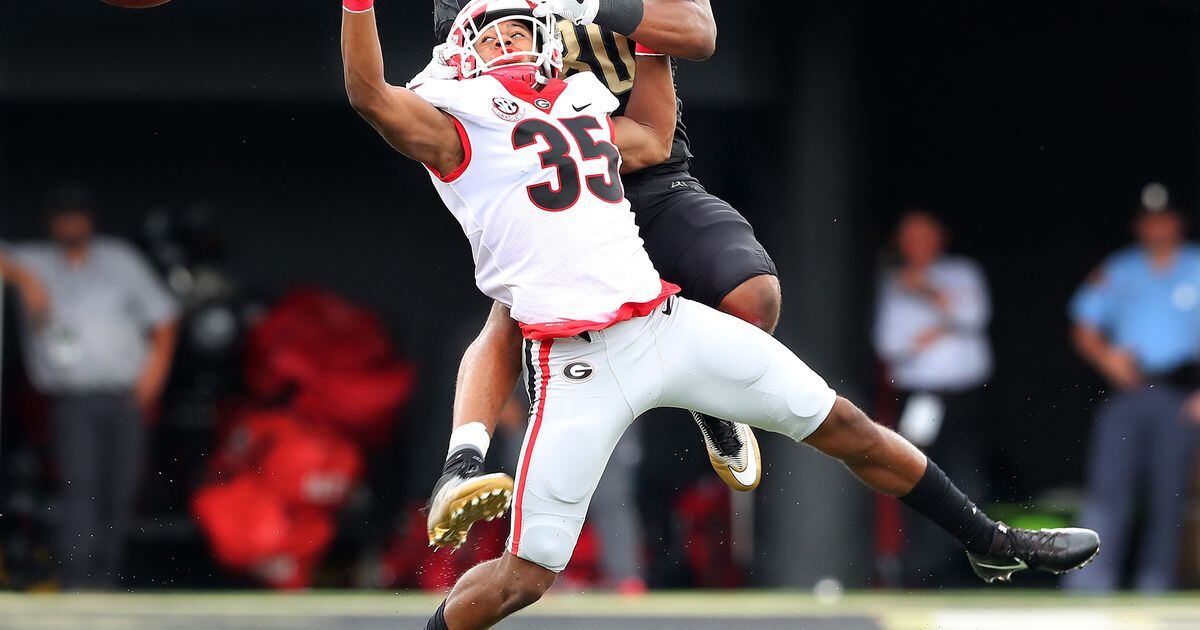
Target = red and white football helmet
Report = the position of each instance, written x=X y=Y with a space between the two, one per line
x=480 y=18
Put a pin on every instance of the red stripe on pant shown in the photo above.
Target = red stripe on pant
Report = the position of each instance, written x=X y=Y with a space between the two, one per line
x=544 y=368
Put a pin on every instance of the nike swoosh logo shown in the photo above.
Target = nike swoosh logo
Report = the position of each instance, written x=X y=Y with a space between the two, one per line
x=1015 y=567
x=579 y=109
x=669 y=307
x=746 y=477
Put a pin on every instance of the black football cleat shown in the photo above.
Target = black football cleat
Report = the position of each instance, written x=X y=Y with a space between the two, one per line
x=1050 y=550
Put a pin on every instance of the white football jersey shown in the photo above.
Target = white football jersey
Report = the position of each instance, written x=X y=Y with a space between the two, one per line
x=540 y=199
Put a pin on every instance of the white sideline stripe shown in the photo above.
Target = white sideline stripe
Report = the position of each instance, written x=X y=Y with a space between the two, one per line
x=1058 y=619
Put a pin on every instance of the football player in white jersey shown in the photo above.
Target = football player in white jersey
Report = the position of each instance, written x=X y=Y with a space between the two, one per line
x=695 y=239
x=529 y=166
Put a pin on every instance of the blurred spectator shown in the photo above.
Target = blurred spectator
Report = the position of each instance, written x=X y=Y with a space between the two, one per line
x=1137 y=321
x=99 y=333
x=615 y=517
x=931 y=332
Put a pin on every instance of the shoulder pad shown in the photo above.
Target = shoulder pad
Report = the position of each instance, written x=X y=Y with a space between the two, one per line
x=470 y=98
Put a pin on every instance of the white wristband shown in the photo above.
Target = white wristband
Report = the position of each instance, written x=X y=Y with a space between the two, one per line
x=470 y=434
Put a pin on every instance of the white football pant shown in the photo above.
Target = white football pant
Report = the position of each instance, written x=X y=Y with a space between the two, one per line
x=586 y=391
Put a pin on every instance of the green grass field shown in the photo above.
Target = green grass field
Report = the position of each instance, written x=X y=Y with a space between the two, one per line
x=692 y=610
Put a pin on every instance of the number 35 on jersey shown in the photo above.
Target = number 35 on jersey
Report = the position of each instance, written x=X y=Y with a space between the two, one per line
x=565 y=158
x=541 y=177
x=560 y=138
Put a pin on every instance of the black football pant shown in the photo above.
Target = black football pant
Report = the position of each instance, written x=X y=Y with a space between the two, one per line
x=97 y=446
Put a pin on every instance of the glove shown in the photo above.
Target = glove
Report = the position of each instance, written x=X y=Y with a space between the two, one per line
x=581 y=12
x=439 y=68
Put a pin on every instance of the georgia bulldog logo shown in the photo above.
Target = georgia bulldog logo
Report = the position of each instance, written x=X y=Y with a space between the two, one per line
x=506 y=109
x=578 y=372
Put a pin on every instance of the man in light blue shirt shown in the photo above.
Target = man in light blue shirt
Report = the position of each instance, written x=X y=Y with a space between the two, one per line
x=1137 y=321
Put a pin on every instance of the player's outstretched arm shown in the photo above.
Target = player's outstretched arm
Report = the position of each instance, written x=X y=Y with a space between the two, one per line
x=646 y=131
x=680 y=28
x=410 y=124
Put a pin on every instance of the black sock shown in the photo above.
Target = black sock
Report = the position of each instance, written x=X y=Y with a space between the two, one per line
x=939 y=500
x=438 y=620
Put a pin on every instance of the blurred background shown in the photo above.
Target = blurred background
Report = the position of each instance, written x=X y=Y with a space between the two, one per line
x=324 y=296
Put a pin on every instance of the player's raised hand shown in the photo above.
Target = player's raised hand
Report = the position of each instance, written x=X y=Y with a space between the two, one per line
x=578 y=11
x=439 y=68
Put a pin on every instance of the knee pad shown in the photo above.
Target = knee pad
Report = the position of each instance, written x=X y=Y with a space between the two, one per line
x=807 y=402
x=547 y=545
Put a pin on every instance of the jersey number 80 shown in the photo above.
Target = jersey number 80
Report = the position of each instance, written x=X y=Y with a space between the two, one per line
x=552 y=198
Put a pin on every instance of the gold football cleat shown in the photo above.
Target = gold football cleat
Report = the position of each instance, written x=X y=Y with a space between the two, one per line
x=463 y=501
x=732 y=451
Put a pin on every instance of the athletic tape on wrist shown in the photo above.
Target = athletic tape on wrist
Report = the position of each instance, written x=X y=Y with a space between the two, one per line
x=358 y=6
x=470 y=434
x=622 y=16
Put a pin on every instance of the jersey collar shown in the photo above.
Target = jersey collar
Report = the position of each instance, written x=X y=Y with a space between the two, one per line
x=543 y=99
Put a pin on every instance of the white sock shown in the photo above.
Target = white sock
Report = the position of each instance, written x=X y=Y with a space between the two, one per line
x=471 y=434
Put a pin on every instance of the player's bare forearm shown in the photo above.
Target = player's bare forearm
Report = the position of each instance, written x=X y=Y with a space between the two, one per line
x=362 y=59
x=680 y=28
x=408 y=123
x=646 y=131
x=488 y=372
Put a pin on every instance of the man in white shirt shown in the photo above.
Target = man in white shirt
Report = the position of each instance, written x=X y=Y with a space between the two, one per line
x=931 y=332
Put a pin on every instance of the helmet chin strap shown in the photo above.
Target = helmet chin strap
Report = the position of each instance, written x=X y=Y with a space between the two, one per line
x=523 y=73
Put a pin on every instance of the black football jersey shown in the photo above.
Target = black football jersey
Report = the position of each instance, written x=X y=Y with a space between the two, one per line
x=606 y=54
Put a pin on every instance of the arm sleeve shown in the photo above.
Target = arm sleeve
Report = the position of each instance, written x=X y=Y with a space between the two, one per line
x=970 y=304
x=153 y=302
x=892 y=343
x=1093 y=304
